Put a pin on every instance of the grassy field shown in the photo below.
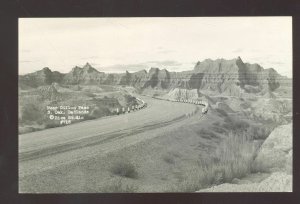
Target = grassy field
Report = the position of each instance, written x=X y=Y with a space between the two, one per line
x=194 y=157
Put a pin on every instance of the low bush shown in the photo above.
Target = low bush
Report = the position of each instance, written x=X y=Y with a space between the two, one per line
x=206 y=134
x=168 y=158
x=89 y=94
x=236 y=126
x=245 y=105
x=218 y=129
x=221 y=112
x=216 y=123
x=23 y=130
x=259 y=132
x=232 y=159
x=50 y=124
x=30 y=113
x=118 y=186
x=124 y=168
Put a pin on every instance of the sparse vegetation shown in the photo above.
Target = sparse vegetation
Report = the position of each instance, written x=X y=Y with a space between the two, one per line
x=232 y=159
x=235 y=125
x=30 y=112
x=245 y=105
x=124 y=168
x=221 y=112
x=218 y=129
x=260 y=132
x=207 y=134
x=50 y=124
x=169 y=158
x=89 y=94
x=118 y=186
x=33 y=103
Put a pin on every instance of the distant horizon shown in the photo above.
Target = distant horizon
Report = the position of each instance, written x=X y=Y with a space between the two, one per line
x=116 y=44
x=147 y=69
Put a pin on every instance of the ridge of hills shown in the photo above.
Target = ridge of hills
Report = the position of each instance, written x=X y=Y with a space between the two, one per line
x=231 y=77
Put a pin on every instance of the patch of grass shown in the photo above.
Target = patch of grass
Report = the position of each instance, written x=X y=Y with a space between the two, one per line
x=216 y=123
x=259 y=132
x=124 y=168
x=207 y=134
x=221 y=112
x=175 y=154
x=23 y=130
x=31 y=111
x=118 y=186
x=89 y=94
x=260 y=167
x=50 y=124
x=245 y=105
x=168 y=158
x=224 y=107
x=218 y=129
x=232 y=159
x=235 y=125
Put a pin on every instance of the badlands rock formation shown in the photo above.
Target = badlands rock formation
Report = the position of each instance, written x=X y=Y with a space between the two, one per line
x=230 y=77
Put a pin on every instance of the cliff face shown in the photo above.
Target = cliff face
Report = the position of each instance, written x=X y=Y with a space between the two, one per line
x=85 y=75
x=231 y=77
x=276 y=152
x=234 y=76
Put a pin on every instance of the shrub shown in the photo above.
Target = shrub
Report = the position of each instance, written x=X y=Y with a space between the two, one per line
x=168 y=158
x=49 y=124
x=216 y=123
x=237 y=126
x=221 y=112
x=232 y=159
x=30 y=112
x=218 y=129
x=89 y=117
x=259 y=132
x=89 y=94
x=117 y=186
x=23 y=130
x=124 y=168
x=245 y=105
x=206 y=134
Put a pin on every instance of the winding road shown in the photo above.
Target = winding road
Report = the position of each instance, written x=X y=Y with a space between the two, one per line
x=53 y=148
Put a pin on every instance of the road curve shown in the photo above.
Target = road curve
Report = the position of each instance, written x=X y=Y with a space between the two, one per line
x=51 y=148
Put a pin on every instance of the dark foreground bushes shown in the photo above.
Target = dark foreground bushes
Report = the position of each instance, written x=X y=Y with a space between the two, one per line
x=232 y=159
x=235 y=125
x=124 y=168
x=118 y=186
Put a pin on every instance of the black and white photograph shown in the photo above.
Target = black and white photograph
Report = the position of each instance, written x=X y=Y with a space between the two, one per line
x=155 y=105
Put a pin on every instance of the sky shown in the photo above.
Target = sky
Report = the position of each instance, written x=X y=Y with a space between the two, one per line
x=133 y=44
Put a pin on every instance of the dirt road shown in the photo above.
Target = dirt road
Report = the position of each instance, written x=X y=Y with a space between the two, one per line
x=53 y=148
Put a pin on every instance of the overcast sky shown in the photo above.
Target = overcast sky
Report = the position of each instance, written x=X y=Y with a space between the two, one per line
x=119 y=44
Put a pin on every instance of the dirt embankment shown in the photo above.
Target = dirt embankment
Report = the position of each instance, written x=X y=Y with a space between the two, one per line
x=273 y=166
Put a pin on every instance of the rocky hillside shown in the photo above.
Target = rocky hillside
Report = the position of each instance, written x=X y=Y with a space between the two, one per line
x=273 y=158
x=229 y=77
x=49 y=93
x=40 y=78
x=85 y=75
